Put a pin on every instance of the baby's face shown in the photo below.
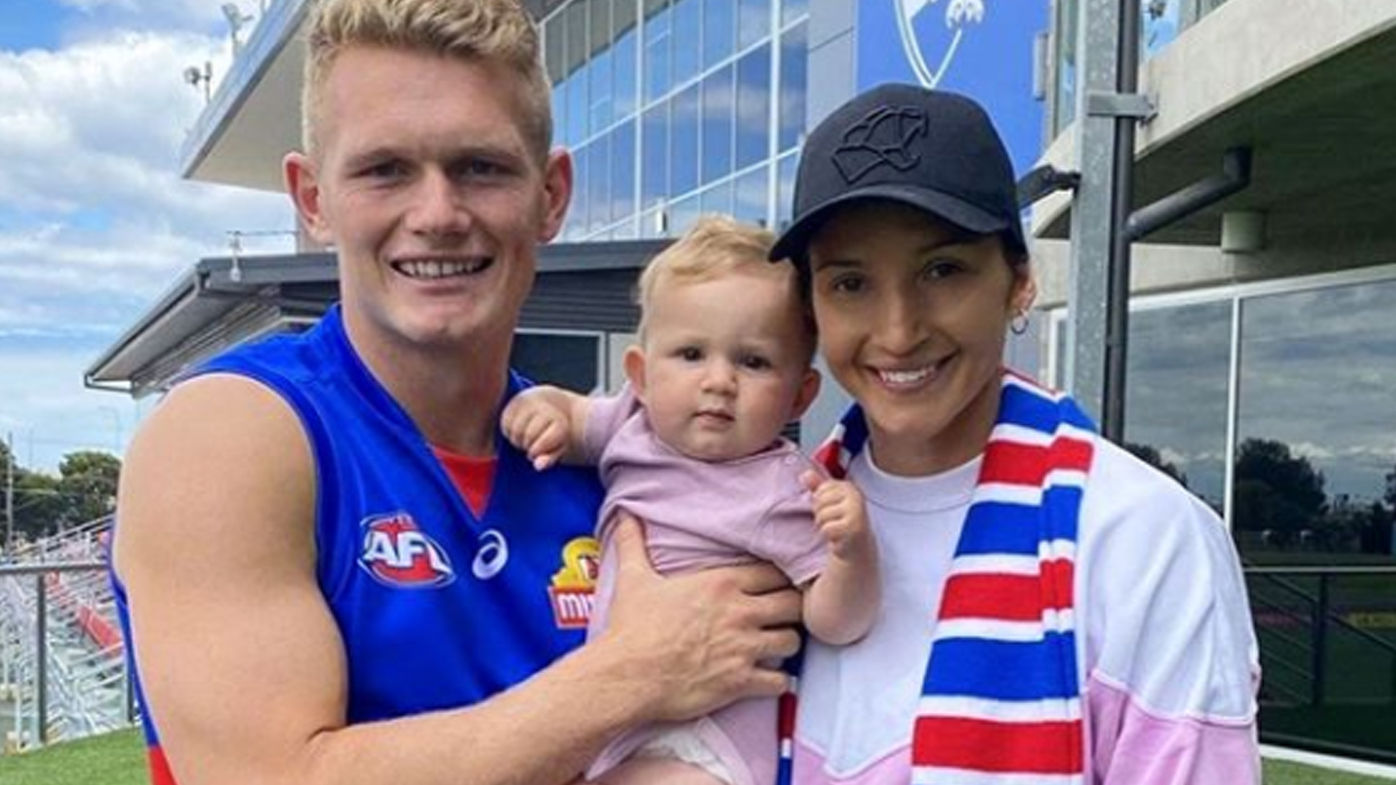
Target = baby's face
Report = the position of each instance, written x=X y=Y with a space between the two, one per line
x=725 y=364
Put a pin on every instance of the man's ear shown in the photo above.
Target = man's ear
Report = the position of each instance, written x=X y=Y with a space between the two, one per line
x=809 y=390
x=557 y=192
x=302 y=183
x=634 y=364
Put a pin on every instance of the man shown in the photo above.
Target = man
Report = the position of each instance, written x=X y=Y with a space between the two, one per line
x=335 y=571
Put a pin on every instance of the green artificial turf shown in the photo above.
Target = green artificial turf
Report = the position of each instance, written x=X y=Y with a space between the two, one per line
x=110 y=759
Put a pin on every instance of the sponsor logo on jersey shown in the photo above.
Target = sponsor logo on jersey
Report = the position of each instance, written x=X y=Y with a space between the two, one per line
x=396 y=552
x=573 y=587
x=492 y=556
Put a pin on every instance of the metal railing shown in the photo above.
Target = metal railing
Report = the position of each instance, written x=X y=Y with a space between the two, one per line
x=63 y=671
x=1328 y=656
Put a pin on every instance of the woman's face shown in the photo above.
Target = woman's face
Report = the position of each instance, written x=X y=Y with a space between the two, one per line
x=912 y=314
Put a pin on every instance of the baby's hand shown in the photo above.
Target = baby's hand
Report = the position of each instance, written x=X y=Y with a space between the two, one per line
x=537 y=427
x=840 y=515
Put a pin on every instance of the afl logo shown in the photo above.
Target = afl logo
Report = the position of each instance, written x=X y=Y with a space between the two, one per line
x=923 y=33
x=398 y=553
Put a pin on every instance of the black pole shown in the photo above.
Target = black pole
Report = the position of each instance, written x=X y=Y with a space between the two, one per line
x=41 y=649
x=1117 y=301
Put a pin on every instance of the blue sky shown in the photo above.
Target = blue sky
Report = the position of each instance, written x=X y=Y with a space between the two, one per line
x=95 y=221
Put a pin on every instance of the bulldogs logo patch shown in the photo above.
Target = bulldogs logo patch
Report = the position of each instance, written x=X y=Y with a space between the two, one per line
x=574 y=586
x=397 y=553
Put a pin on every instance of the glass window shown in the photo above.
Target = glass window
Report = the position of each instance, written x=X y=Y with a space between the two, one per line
x=623 y=66
x=559 y=101
x=719 y=31
x=568 y=361
x=576 y=35
x=749 y=197
x=578 y=109
x=682 y=214
x=599 y=186
x=650 y=225
x=683 y=141
x=657 y=54
x=753 y=21
x=600 y=26
x=754 y=106
x=717 y=199
x=1315 y=485
x=1176 y=394
x=793 y=67
x=654 y=170
x=555 y=48
x=601 y=83
x=623 y=170
x=625 y=230
x=1161 y=18
x=785 y=196
x=1314 y=425
x=687 y=39
x=718 y=116
x=622 y=17
x=790 y=10
x=1064 y=103
x=577 y=211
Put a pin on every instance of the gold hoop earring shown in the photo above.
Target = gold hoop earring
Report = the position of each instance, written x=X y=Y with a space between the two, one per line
x=1020 y=323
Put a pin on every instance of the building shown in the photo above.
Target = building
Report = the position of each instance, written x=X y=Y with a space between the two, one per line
x=1260 y=370
x=1261 y=363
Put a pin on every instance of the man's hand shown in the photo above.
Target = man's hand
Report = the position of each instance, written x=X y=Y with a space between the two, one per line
x=538 y=426
x=693 y=643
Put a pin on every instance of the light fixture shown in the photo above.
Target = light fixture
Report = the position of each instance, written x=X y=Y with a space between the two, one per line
x=236 y=21
x=1243 y=231
x=196 y=77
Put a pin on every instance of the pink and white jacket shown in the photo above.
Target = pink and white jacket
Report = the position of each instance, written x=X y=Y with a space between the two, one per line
x=1166 y=652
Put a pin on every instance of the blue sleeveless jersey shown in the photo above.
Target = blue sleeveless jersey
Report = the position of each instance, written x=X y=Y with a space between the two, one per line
x=438 y=609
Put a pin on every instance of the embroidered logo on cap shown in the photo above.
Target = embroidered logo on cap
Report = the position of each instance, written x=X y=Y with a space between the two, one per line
x=883 y=137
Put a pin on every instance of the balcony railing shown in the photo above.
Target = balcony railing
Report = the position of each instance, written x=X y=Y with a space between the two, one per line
x=1328 y=655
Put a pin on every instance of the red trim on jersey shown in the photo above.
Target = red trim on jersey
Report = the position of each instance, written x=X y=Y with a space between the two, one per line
x=160 y=773
x=473 y=477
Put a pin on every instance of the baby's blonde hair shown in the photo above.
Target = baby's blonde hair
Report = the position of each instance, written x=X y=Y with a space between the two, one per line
x=714 y=246
x=498 y=31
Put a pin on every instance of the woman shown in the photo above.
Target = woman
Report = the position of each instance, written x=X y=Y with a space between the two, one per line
x=1056 y=611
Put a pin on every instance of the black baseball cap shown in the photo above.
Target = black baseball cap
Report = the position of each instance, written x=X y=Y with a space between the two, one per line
x=931 y=149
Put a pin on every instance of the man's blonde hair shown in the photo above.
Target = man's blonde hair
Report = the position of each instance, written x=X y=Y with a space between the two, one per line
x=492 y=30
x=714 y=246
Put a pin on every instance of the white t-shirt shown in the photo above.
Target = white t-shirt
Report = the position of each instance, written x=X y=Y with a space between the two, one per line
x=1165 y=647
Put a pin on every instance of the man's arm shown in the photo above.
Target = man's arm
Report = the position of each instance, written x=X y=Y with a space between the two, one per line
x=244 y=669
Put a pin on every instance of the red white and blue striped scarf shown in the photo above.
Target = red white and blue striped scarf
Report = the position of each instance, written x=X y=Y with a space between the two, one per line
x=1001 y=700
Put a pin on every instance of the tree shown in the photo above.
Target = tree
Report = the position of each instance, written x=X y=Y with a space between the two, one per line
x=38 y=504
x=84 y=490
x=1390 y=496
x=1276 y=491
x=87 y=482
x=1154 y=458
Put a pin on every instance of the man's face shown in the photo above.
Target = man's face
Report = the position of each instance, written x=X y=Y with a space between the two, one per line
x=426 y=186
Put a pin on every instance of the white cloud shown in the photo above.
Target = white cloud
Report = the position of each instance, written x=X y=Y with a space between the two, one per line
x=92 y=134
x=95 y=220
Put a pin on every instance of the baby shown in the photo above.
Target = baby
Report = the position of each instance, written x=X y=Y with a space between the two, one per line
x=692 y=447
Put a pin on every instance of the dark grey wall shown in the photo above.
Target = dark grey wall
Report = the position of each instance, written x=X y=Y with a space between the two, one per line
x=600 y=300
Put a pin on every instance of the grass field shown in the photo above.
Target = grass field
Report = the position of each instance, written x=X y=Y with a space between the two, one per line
x=119 y=759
